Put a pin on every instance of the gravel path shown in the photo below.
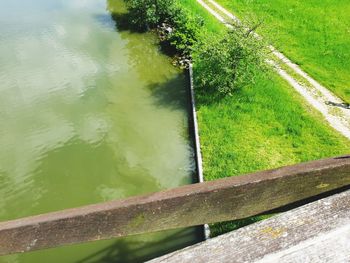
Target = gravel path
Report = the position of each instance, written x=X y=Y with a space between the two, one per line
x=335 y=111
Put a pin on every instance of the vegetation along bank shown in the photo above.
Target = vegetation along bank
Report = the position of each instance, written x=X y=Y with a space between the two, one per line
x=249 y=118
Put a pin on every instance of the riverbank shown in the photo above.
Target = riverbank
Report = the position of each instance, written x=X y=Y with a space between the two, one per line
x=243 y=127
x=263 y=126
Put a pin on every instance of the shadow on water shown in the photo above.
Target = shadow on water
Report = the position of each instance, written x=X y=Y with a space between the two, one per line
x=123 y=22
x=127 y=250
x=168 y=94
x=104 y=20
x=171 y=93
x=174 y=92
x=120 y=15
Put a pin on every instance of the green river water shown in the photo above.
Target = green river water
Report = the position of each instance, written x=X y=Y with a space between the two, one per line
x=88 y=113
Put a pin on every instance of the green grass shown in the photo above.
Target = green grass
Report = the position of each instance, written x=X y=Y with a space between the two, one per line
x=263 y=126
x=314 y=34
x=211 y=24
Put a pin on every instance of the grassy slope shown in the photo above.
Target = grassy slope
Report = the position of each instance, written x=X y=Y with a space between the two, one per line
x=264 y=126
x=313 y=33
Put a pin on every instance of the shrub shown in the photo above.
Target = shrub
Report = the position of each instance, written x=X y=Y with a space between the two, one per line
x=187 y=29
x=227 y=63
x=146 y=14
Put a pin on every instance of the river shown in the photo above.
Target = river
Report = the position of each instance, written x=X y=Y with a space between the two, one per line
x=89 y=112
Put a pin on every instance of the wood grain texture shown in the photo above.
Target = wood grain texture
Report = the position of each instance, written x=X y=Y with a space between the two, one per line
x=316 y=233
x=221 y=200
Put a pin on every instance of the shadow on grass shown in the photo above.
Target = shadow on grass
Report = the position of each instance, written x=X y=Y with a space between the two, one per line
x=206 y=96
x=224 y=227
x=340 y=105
x=126 y=250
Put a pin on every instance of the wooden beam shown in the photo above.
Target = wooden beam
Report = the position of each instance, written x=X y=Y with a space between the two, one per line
x=317 y=232
x=216 y=201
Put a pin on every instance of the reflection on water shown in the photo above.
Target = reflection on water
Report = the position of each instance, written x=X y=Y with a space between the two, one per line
x=87 y=114
x=132 y=249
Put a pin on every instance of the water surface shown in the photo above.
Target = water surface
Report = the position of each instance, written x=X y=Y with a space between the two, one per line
x=88 y=113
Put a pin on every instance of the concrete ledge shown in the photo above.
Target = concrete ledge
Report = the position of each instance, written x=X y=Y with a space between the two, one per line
x=196 y=140
x=317 y=232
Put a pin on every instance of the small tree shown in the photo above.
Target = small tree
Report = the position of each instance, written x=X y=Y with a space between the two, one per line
x=227 y=63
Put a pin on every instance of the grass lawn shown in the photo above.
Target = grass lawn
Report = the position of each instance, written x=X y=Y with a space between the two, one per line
x=314 y=34
x=263 y=126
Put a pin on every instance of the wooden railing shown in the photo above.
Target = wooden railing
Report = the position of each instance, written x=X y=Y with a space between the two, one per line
x=191 y=205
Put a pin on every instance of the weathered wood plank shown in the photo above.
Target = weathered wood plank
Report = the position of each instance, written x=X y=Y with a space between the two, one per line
x=317 y=232
x=226 y=199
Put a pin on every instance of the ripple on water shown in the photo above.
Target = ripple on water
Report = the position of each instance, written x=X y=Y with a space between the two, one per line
x=87 y=114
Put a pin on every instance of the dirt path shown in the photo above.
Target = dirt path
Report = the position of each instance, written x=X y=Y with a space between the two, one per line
x=335 y=111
